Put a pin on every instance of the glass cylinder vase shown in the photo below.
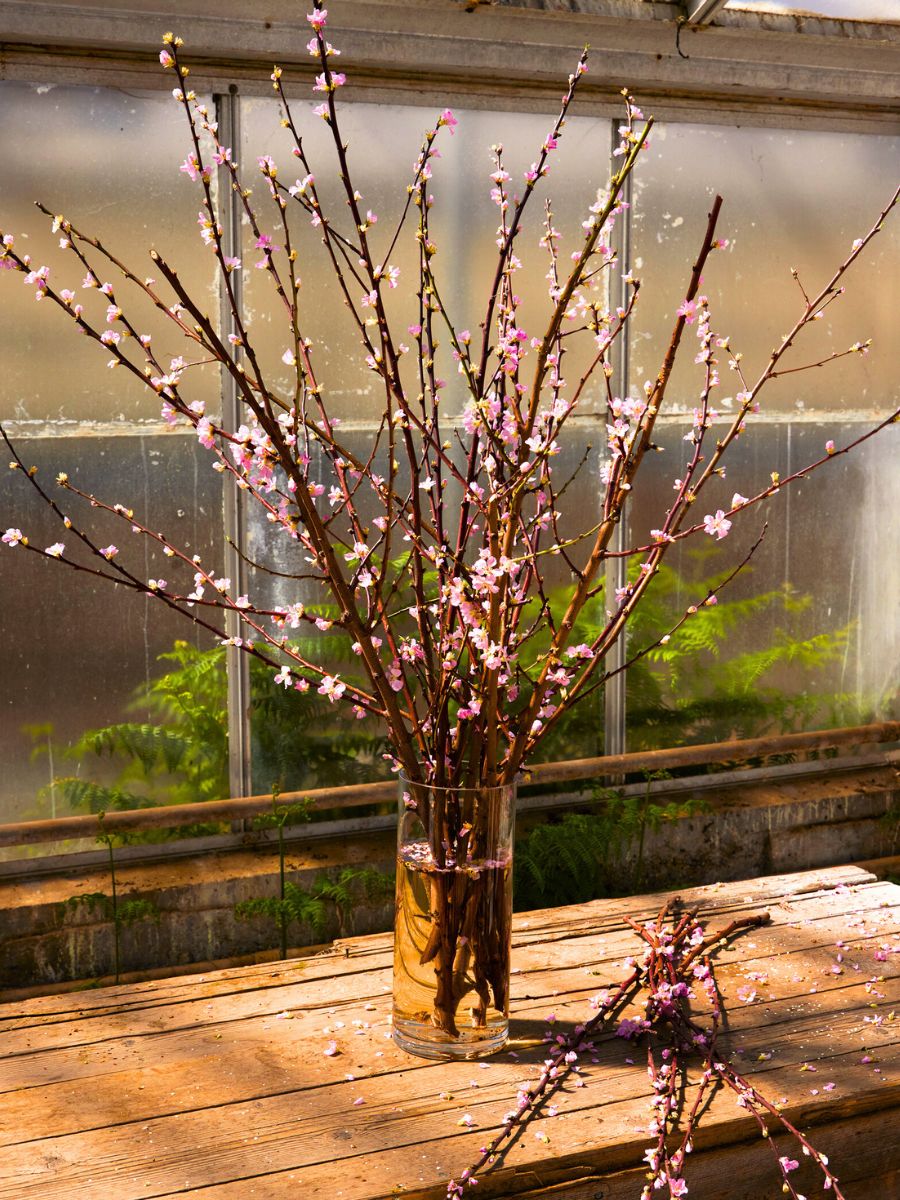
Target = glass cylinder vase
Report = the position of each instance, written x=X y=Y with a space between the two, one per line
x=453 y=919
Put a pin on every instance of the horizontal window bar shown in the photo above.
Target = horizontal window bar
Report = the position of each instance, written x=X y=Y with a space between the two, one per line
x=358 y=795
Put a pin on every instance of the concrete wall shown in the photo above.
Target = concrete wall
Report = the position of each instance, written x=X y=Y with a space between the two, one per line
x=749 y=829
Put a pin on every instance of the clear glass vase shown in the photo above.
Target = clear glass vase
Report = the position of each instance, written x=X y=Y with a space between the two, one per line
x=453 y=919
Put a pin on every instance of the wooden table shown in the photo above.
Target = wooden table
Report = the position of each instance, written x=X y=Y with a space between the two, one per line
x=217 y=1086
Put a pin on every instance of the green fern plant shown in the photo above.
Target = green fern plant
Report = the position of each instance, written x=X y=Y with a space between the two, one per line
x=327 y=895
x=178 y=754
x=587 y=855
x=695 y=688
x=120 y=913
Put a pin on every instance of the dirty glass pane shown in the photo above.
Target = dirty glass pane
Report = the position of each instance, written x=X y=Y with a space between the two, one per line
x=107 y=160
x=801 y=640
x=792 y=200
x=383 y=143
x=74 y=649
x=804 y=637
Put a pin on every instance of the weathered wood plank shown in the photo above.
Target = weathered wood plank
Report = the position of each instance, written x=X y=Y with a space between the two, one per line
x=745 y=1171
x=594 y=919
x=182 y=1073
x=748 y=1172
x=199 y=1088
x=712 y=897
x=807 y=923
x=262 y=1034
x=380 y=1142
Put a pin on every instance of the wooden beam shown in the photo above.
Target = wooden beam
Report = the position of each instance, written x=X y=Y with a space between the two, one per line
x=358 y=795
x=406 y=49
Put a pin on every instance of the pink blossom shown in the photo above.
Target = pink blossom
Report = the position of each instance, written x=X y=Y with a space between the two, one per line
x=677 y=1187
x=39 y=279
x=55 y=550
x=332 y=688
x=323 y=84
x=829 y=447
x=12 y=537
x=191 y=167
x=109 y=552
x=447 y=118
x=788 y=1164
x=582 y=651
x=688 y=310
x=318 y=18
x=205 y=433
x=166 y=58
x=716 y=525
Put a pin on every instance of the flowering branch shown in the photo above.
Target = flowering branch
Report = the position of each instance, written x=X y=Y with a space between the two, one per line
x=676 y=964
x=437 y=550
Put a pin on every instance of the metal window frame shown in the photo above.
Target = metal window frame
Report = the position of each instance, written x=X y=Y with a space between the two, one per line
x=777 y=72
x=510 y=53
x=701 y=12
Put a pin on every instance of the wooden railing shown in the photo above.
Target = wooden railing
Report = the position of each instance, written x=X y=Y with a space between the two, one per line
x=88 y=825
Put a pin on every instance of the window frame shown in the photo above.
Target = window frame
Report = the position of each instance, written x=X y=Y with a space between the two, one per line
x=776 y=71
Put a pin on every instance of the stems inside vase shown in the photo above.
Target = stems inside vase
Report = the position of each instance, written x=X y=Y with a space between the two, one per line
x=453 y=923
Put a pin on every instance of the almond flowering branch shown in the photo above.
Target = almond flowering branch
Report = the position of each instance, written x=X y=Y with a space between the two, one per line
x=438 y=550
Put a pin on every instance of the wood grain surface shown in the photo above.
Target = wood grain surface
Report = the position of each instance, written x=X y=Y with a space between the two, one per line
x=218 y=1087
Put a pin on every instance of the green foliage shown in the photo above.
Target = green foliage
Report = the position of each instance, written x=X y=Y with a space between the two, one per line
x=180 y=754
x=120 y=912
x=283 y=814
x=328 y=896
x=695 y=688
x=305 y=741
x=93 y=900
x=138 y=909
x=123 y=912
x=587 y=855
